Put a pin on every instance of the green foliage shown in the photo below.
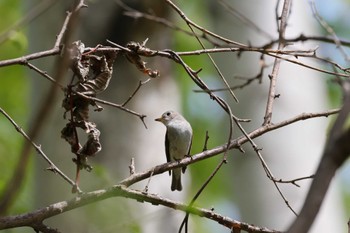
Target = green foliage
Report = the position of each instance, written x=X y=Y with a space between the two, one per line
x=13 y=95
x=334 y=93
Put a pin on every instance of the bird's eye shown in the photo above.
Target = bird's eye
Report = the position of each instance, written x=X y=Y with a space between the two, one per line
x=168 y=113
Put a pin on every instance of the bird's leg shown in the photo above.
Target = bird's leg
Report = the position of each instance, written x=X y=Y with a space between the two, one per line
x=189 y=156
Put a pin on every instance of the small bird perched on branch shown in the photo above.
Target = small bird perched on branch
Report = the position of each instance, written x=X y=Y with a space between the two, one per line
x=178 y=141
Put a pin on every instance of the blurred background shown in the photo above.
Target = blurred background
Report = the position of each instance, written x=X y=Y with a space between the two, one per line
x=241 y=189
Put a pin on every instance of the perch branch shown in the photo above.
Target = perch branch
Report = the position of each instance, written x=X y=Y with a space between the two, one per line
x=36 y=217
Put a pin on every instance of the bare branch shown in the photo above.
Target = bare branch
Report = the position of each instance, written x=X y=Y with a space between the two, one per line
x=141 y=116
x=335 y=153
x=136 y=90
x=43 y=73
x=41 y=214
x=245 y=20
x=329 y=30
x=222 y=162
x=36 y=217
x=293 y=181
x=235 y=143
x=276 y=65
x=14 y=184
x=52 y=167
x=189 y=22
x=27 y=18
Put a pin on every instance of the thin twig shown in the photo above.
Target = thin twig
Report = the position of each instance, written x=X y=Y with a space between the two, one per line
x=293 y=181
x=148 y=182
x=183 y=16
x=191 y=25
x=303 y=38
x=43 y=73
x=205 y=147
x=27 y=18
x=136 y=90
x=42 y=228
x=185 y=220
x=248 y=81
x=23 y=59
x=132 y=166
x=265 y=166
x=329 y=30
x=141 y=116
x=212 y=175
x=244 y=19
x=52 y=167
x=54 y=51
x=133 y=13
x=276 y=53
x=276 y=65
x=13 y=185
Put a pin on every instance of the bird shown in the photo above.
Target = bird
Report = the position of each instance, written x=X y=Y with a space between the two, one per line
x=178 y=142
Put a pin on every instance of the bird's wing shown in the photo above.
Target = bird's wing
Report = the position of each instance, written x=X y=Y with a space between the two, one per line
x=167 y=149
x=188 y=154
x=190 y=147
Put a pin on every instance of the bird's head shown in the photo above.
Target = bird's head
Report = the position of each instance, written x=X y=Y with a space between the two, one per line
x=167 y=117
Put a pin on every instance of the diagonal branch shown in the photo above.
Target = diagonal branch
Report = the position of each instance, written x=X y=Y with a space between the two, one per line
x=191 y=25
x=52 y=167
x=190 y=22
x=235 y=143
x=27 y=18
x=10 y=192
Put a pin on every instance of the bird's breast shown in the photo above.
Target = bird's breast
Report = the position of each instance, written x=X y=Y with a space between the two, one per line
x=179 y=142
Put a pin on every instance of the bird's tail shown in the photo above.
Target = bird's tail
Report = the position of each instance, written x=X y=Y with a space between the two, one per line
x=176 y=180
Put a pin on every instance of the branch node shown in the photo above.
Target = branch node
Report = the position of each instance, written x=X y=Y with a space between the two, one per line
x=241 y=149
x=206 y=141
x=132 y=166
x=52 y=169
x=198 y=71
x=142 y=118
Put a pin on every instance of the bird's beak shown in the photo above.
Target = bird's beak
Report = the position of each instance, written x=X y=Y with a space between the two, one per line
x=159 y=119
